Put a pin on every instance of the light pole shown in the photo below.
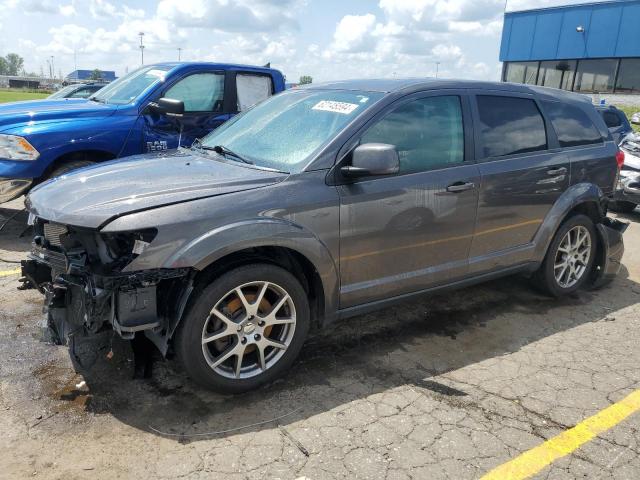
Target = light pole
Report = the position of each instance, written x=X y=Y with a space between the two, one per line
x=141 y=34
x=437 y=68
x=179 y=52
x=53 y=70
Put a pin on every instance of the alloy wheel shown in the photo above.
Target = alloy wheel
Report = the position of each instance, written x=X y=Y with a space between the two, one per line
x=572 y=256
x=249 y=329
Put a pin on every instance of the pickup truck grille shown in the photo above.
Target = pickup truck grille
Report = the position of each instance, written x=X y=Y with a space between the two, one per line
x=52 y=233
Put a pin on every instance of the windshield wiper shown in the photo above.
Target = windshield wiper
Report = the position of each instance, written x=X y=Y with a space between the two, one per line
x=222 y=150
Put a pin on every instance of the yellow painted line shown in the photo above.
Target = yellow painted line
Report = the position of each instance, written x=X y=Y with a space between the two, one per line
x=534 y=460
x=6 y=273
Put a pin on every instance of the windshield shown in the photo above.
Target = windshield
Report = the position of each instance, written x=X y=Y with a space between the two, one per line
x=284 y=131
x=63 y=92
x=126 y=89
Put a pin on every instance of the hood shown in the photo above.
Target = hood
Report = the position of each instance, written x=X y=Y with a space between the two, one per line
x=631 y=148
x=90 y=197
x=47 y=110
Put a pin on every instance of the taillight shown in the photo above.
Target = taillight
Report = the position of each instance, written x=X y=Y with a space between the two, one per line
x=620 y=158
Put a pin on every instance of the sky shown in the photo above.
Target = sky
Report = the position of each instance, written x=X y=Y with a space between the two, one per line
x=327 y=39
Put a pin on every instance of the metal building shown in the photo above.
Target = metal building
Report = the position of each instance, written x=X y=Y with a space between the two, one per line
x=106 y=75
x=587 y=48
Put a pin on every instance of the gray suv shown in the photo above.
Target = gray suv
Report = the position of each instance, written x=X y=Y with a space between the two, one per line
x=318 y=204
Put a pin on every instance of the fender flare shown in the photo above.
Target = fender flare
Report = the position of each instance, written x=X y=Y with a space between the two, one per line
x=575 y=195
x=262 y=232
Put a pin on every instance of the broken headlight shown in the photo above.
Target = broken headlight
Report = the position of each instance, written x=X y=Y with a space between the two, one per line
x=122 y=247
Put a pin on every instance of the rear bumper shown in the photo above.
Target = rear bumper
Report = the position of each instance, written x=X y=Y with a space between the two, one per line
x=610 y=251
x=11 y=188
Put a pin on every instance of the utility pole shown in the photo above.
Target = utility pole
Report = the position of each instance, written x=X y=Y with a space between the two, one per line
x=53 y=70
x=179 y=52
x=437 y=68
x=141 y=34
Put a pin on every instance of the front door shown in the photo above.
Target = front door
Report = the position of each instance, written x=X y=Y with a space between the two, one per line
x=203 y=94
x=411 y=231
x=523 y=172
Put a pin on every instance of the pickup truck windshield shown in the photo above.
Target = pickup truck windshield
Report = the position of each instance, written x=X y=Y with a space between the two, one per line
x=62 y=92
x=126 y=89
x=284 y=131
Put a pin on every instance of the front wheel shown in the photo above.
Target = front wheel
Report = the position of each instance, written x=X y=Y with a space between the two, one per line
x=245 y=329
x=570 y=257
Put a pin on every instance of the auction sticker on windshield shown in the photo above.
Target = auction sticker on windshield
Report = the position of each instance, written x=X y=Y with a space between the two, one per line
x=336 y=107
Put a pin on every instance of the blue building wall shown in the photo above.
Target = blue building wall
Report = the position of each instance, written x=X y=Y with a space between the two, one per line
x=86 y=75
x=612 y=29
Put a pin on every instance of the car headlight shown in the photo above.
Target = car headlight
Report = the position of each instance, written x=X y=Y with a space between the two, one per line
x=13 y=147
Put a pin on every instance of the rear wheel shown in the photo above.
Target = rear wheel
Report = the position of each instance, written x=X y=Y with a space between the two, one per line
x=622 y=206
x=570 y=257
x=245 y=329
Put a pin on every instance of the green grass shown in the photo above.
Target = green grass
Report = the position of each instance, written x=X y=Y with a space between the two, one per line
x=15 y=95
x=628 y=111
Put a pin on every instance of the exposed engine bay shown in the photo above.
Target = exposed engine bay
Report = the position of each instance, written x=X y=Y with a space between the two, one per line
x=89 y=297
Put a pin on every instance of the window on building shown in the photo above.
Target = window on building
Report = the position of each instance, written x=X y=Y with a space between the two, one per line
x=596 y=75
x=629 y=76
x=510 y=125
x=428 y=133
x=557 y=74
x=572 y=125
x=521 y=72
x=252 y=89
x=200 y=92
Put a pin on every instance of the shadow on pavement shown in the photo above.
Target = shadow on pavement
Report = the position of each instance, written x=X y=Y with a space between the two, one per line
x=403 y=345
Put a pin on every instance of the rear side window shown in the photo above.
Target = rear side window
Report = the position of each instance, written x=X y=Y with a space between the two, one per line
x=611 y=119
x=428 y=133
x=510 y=125
x=252 y=89
x=572 y=125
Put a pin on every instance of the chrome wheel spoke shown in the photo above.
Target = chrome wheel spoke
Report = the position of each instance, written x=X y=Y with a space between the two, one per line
x=239 y=357
x=249 y=330
x=216 y=336
x=223 y=356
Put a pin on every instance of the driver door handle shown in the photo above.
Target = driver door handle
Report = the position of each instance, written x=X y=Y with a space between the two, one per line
x=460 y=187
x=557 y=171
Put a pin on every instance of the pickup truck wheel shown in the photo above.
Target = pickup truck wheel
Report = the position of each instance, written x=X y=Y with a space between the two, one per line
x=570 y=257
x=67 y=167
x=245 y=329
x=622 y=206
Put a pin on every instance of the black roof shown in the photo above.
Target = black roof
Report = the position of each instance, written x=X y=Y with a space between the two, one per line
x=408 y=85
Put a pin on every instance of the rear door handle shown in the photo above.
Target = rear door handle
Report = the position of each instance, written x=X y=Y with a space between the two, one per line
x=461 y=187
x=557 y=171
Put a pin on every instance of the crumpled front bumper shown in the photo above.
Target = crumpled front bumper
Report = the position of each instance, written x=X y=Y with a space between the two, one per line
x=11 y=188
x=628 y=189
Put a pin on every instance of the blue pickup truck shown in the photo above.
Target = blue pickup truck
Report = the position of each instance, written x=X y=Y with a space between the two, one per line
x=132 y=115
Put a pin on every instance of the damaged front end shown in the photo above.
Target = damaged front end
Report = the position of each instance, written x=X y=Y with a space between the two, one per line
x=89 y=297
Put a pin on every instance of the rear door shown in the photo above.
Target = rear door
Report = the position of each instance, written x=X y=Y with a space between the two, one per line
x=411 y=231
x=523 y=172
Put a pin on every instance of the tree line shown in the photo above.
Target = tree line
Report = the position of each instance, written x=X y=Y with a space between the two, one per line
x=11 y=64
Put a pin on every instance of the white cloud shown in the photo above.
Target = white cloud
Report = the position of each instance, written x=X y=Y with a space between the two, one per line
x=354 y=33
x=67 y=10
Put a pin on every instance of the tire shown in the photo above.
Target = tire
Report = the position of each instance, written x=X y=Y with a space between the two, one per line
x=67 y=167
x=211 y=364
x=622 y=206
x=559 y=282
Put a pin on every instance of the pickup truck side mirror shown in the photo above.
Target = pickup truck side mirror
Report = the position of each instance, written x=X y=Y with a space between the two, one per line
x=372 y=159
x=169 y=106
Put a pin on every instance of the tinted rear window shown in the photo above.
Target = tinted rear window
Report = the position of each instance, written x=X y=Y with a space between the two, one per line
x=510 y=125
x=611 y=119
x=572 y=125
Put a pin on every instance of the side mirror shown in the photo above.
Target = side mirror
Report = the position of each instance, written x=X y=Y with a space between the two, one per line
x=372 y=159
x=170 y=106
